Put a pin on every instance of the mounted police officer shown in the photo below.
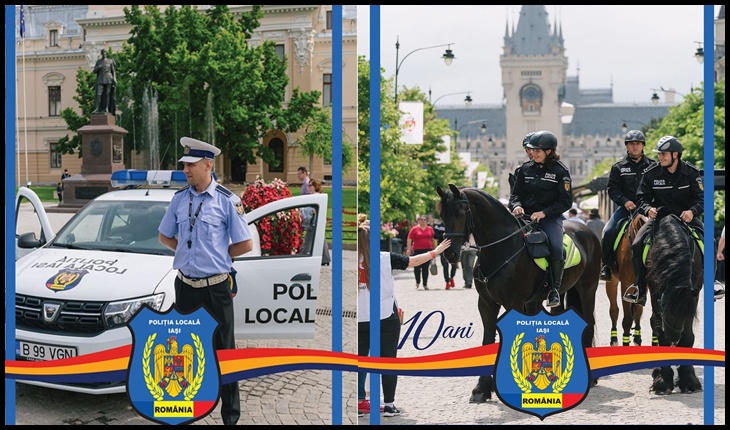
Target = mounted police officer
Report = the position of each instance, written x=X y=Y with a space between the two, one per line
x=542 y=190
x=622 y=184
x=512 y=176
x=673 y=184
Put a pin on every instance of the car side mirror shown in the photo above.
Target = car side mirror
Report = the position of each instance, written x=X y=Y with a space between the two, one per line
x=29 y=241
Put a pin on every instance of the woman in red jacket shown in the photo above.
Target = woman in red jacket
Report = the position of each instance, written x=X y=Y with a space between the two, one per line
x=420 y=241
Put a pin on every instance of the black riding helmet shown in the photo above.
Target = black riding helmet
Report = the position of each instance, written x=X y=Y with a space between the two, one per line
x=668 y=144
x=526 y=140
x=635 y=136
x=542 y=140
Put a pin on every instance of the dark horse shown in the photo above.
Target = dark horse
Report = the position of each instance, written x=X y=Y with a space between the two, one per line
x=505 y=274
x=674 y=279
x=623 y=272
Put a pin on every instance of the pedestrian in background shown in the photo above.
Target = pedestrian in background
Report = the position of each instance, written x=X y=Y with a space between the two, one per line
x=315 y=187
x=573 y=216
x=719 y=287
x=59 y=192
x=303 y=176
x=389 y=320
x=449 y=269
x=204 y=251
x=420 y=241
x=595 y=223
x=468 y=259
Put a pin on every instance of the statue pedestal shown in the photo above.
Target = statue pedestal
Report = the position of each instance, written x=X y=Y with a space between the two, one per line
x=102 y=146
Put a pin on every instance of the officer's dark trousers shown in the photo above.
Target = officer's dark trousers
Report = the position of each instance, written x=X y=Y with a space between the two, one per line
x=609 y=234
x=217 y=299
x=553 y=228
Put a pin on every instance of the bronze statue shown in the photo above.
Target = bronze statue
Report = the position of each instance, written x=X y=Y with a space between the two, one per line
x=106 y=82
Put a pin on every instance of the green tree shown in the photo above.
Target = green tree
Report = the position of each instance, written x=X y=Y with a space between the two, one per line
x=206 y=81
x=686 y=122
x=408 y=173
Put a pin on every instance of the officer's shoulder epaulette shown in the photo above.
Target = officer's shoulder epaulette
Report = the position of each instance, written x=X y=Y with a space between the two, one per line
x=182 y=189
x=223 y=190
x=563 y=165
x=528 y=163
x=650 y=167
x=692 y=166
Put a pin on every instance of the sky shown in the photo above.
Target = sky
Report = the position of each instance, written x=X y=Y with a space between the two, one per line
x=635 y=49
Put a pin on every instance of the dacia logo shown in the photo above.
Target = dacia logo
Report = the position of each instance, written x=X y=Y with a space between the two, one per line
x=541 y=367
x=173 y=375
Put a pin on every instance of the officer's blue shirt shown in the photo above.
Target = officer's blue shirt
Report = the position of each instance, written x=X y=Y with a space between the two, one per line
x=220 y=221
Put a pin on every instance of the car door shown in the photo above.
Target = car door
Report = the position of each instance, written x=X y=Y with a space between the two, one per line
x=35 y=229
x=277 y=288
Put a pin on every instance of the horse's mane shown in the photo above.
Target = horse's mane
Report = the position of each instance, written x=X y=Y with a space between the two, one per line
x=672 y=255
x=493 y=201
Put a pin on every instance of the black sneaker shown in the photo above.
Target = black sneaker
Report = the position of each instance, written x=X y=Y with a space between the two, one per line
x=390 y=411
x=605 y=273
x=360 y=414
x=719 y=291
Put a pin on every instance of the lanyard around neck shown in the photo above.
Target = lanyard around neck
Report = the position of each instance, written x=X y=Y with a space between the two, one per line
x=192 y=218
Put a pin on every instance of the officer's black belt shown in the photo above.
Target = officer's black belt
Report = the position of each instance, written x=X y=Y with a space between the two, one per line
x=202 y=282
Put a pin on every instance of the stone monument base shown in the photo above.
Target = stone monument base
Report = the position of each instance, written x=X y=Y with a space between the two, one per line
x=81 y=189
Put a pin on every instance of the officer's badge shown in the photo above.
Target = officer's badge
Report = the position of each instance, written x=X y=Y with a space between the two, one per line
x=239 y=208
x=186 y=150
x=699 y=182
x=567 y=186
x=173 y=375
x=541 y=366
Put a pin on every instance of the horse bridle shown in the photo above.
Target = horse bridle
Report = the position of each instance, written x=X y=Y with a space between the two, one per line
x=470 y=227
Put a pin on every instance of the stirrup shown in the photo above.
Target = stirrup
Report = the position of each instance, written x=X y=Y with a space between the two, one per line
x=632 y=297
x=555 y=302
x=606 y=273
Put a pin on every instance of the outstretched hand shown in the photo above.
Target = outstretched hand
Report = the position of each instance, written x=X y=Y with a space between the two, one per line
x=443 y=246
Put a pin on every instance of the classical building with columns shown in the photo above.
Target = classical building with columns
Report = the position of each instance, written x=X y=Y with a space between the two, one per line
x=59 y=39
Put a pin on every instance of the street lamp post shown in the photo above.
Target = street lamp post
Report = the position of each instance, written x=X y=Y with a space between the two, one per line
x=655 y=97
x=448 y=58
x=467 y=99
x=700 y=52
x=458 y=127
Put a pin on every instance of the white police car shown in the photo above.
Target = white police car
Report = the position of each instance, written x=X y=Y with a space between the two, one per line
x=76 y=289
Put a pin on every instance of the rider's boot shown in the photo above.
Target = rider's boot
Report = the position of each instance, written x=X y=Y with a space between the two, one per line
x=556 y=277
x=607 y=254
x=636 y=293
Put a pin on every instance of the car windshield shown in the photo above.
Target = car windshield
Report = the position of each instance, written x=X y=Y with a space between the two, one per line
x=120 y=226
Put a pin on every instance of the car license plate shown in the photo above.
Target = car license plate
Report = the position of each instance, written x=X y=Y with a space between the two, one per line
x=41 y=352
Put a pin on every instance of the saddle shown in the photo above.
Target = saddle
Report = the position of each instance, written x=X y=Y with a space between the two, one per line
x=538 y=247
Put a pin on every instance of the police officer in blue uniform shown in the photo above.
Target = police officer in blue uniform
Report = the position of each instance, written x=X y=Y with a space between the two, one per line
x=206 y=227
x=671 y=183
x=622 y=184
x=542 y=190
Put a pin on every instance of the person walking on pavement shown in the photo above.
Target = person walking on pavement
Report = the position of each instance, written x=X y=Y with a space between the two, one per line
x=720 y=290
x=449 y=269
x=623 y=181
x=420 y=241
x=595 y=223
x=205 y=225
x=468 y=258
x=573 y=216
x=389 y=319
x=543 y=192
x=671 y=183
x=59 y=192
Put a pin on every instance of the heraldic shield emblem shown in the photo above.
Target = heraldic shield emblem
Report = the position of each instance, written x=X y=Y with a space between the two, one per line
x=173 y=375
x=541 y=367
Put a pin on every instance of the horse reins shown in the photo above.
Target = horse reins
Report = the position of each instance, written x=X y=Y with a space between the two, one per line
x=470 y=227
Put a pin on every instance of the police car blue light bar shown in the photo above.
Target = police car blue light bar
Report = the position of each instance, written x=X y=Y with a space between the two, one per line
x=132 y=177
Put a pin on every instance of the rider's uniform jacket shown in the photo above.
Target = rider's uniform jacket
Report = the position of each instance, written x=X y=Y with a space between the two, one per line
x=623 y=181
x=678 y=191
x=544 y=188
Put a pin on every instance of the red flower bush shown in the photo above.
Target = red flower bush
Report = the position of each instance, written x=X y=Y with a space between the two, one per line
x=279 y=233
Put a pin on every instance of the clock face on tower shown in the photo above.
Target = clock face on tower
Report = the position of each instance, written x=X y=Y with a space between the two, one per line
x=531 y=98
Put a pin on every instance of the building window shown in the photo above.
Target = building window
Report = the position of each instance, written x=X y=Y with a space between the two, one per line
x=54 y=101
x=55 y=156
x=328 y=24
x=327 y=89
x=279 y=49
x=53 y=38
x=277 y=145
